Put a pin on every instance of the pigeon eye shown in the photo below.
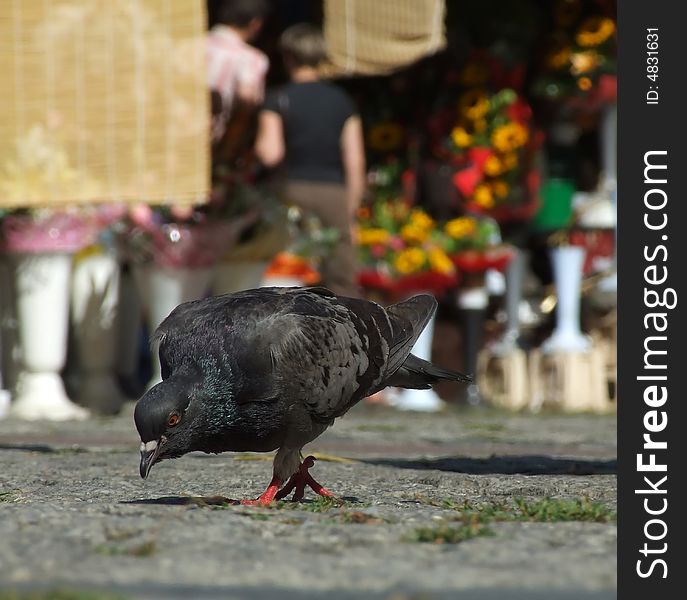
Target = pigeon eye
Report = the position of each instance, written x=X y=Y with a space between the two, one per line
x=173 y=420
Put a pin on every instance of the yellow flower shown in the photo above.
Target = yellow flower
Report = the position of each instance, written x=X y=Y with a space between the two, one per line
x=460 y=227
x=460 y=137
x=479 y=126
x=439 y=261
x=500 y=188
x=510 y=136
x=412 y=234
x=385 y=137
x=410 y=260
x=493 y=166
x=510 y=161
x=584 y=83
x=474 y=104
x=484 y=196
x=421 y=219
x=372 y=236
x=584 y=62
x=559 y=58
x=595 y=31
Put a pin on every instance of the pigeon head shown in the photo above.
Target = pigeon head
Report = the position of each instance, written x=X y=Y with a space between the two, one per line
x=164 y=422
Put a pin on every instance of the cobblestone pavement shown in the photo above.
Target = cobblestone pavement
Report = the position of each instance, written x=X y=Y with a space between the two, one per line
x=75 y=515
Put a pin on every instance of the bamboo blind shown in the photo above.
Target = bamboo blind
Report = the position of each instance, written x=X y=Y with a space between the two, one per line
x=371 y=37
x=103 y=101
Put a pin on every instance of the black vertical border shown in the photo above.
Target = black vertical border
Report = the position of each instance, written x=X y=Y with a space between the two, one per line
x=644 y=127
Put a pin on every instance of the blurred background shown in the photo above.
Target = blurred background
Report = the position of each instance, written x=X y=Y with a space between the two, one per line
x=149 y=155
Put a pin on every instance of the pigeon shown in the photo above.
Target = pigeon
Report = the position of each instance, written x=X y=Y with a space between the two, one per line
x=271 y=369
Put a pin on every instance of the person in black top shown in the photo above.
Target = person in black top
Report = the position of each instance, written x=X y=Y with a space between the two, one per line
x=312 y=128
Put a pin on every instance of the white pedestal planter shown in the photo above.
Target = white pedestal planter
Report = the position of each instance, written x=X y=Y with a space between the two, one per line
x=163 y=289
x=419 y=400
x=515 y=275
x=42 y=305
x=235 y=276
x=567 y=262
x=281 y=281
x=95 y=296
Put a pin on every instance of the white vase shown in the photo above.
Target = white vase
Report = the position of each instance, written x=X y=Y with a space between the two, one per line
x=234 y=276
x=515 y=274
x=418 y=400
x=42 y=306
x=281 y=281
x=163 y=289
x=567 y=263
x=94 y=307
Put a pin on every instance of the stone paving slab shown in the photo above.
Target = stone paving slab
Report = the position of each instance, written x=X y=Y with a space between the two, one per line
x=74 y=512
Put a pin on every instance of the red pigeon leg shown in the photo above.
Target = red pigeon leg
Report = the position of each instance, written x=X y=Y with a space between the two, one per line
x=267 y=496
x=300 y=479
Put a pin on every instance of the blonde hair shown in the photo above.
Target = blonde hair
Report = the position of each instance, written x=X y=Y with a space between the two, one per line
x=303 y=45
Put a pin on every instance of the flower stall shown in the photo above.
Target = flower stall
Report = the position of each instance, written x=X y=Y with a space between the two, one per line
x=489 y=141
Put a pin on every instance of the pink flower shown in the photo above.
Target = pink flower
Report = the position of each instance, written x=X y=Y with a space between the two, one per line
x=378 y=250
x=396 y=243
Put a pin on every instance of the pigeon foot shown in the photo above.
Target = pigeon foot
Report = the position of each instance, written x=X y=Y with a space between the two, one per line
x=267 y=497
x=299 y=480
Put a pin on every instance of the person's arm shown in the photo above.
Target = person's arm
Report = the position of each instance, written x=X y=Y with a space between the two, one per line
x=269 y=141
x=353 y=158
x=250 y=76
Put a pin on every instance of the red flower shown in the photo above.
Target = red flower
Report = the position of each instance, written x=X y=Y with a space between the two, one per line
x=519 y=111
x=429 y=281
x=479 y=155
x=466 y=180
x=473 y=261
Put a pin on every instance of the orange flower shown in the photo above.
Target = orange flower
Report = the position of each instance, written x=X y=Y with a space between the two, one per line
x=493 y=166
x=460 y=227
x=509 y=137
x=595 y=31
x=410 y=260
x=484 y=196
x=372 y=235
x=421 y=219
x=412 y=234
x=510 y=161
x=584 y=83
x=474 y=104
x=439 y=261
x=461 y=137
x=559 y=58
x=584 y=62
x=500 y=188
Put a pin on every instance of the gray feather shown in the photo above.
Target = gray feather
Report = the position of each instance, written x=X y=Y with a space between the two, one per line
x=273 y=367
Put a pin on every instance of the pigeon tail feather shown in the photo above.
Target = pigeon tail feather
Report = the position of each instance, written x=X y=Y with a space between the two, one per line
x=416 y=373
x=408 y=320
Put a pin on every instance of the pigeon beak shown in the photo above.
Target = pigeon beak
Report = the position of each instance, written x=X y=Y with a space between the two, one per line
x=149 y=453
